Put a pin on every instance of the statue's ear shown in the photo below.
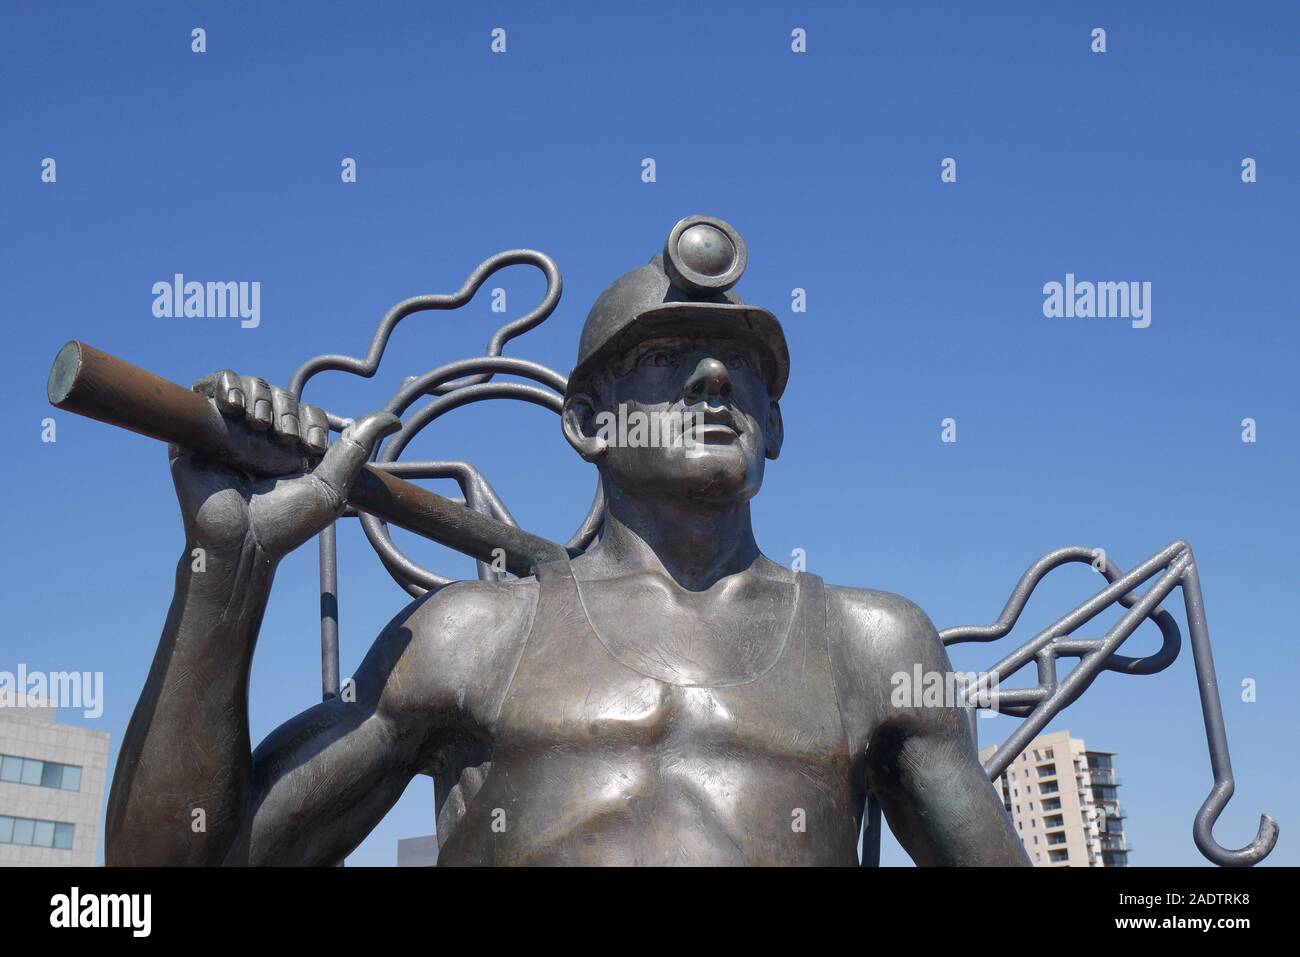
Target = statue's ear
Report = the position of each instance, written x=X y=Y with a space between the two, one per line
x=579 y=422
x=775 y=430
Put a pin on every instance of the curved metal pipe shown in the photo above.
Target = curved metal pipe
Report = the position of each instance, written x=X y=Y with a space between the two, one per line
x=1145 y=665
x=414 y=578
x=367 y=366
x=1039 y=704
x=1216 y=734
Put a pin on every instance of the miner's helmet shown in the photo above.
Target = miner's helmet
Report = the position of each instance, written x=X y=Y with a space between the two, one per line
x=685 y=290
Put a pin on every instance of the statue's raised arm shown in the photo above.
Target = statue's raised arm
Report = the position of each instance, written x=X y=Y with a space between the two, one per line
x=654 y=691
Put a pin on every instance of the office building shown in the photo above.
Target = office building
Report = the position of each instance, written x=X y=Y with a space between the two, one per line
x=1063 y=799
x=417 y=851
x=51 y=787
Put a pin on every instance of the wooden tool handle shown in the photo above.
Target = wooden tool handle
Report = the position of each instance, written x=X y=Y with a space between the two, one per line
x=100 y=386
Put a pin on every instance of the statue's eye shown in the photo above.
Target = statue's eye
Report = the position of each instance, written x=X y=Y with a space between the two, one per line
x=659 y=358
x=737 y=361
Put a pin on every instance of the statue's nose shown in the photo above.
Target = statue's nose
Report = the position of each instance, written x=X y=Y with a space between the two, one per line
x=709 y=380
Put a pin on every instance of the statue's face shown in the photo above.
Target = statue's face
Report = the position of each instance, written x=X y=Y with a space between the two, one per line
x=716 y=422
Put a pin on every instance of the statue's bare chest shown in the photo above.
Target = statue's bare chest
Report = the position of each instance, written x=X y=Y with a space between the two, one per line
x=618 y=664
x=605 y=750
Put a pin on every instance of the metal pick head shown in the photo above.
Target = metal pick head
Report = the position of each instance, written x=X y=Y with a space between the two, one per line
x=704 y=256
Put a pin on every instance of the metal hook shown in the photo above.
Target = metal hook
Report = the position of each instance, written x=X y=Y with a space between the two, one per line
x=1203 y=831
x=1217 y=737
x=1039 y=705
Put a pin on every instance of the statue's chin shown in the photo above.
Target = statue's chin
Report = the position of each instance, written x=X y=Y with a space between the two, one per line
x=711 y=475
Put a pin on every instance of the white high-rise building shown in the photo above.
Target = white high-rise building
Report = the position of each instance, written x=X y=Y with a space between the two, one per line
x=51 y=787
x=1064 y=802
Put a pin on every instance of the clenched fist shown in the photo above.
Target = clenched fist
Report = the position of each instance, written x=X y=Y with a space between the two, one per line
x=286 y=500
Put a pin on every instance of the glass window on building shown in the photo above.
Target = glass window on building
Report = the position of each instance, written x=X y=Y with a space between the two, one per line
x=63 y=836
x=51 y=775
x=21 y=830
x=11 y=769
x=43 y=774
x=43 y=834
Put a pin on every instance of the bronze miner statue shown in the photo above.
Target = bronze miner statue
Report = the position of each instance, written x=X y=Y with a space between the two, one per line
x=659 y=692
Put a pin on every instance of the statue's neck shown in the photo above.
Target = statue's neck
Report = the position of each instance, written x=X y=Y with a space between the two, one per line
x=696 y=546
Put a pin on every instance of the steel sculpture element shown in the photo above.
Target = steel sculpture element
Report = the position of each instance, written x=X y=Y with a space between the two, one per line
x=1038 y=705
x=653 y=691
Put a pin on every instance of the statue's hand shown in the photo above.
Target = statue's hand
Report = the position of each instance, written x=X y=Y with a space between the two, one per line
x=287 y=501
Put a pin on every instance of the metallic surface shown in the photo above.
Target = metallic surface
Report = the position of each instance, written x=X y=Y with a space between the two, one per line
x=704 y=256
x=658 y=692
x=329 y=612
x=667 y=297
x=93 y=383
x=1176 y=568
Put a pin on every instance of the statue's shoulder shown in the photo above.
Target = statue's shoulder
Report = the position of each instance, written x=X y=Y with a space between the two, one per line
x=877 y=627
x=461 y=642
x=873 y=636
x=880 y=612
x=466 y=609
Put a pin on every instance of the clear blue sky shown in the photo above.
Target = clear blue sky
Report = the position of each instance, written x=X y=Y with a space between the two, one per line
x=924 y=302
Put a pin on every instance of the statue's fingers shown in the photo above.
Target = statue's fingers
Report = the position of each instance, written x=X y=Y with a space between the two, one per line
x=349 y=452
x=225 y=388
x=285 y=424
x=258 y=407
x=314 y=429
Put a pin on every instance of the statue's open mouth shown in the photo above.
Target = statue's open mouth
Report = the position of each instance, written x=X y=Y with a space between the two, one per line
x=713 y=425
